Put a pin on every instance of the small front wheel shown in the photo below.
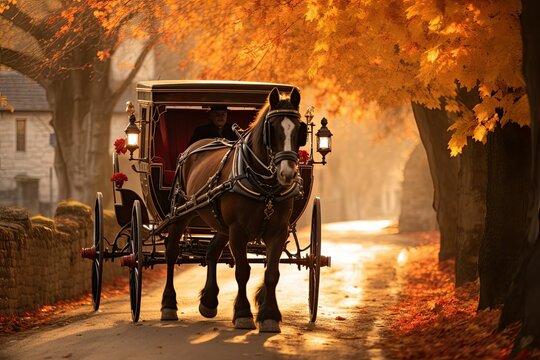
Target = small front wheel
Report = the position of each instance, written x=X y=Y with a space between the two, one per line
x=315 y=259
x=135 y=272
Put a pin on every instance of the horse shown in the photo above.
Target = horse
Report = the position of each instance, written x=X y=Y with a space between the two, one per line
x=268 y=159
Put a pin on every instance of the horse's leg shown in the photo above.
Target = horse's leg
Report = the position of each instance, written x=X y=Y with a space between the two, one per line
x=242 y=318
x=209 y=301
x=168 y=301
x=269 y=315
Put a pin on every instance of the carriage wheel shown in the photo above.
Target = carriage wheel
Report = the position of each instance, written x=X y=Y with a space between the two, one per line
x=135 y=273
x=97 y=262
x=315 y=255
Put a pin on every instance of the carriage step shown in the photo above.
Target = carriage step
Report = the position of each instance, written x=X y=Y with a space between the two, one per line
x=89 y=253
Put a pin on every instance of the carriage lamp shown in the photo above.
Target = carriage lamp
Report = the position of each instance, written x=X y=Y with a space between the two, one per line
x=132 y=130
x=324 y=140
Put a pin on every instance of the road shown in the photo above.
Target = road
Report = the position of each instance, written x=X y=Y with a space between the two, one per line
x=363 y=280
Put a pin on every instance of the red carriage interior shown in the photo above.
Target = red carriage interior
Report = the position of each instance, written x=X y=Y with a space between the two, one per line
x=174 y=130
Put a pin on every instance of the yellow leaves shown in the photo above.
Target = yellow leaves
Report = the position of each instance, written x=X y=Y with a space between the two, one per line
x=480 y=133
x=435 y=23
x=6 y=4
x=312 y=11
x=103 y=55
x=432 y=55
x=4 y=103
x=452 y=106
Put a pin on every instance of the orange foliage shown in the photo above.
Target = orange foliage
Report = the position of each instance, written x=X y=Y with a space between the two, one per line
x=435 y=320
x=354 y=53
x=389 y=52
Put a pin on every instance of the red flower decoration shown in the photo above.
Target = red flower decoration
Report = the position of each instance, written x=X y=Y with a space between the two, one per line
x=120 y=146
x=119 y=178
x=303 y=156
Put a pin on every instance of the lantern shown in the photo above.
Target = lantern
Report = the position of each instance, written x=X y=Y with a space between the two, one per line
x=132 y=130
x=324 y=140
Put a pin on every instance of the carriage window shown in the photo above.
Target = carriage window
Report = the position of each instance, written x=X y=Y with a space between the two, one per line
x=21 y=134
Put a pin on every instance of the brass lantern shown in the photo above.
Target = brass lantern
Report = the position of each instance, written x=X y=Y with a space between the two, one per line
x=324 y=140
x=132 y=130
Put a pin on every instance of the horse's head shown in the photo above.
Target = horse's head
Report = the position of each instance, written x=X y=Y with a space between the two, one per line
x=284 y=133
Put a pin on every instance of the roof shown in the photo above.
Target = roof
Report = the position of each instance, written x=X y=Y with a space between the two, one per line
x=207 y=92
x=23 y=93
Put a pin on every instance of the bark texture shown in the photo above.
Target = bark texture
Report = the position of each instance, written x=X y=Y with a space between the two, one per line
x=432 y=126
x=524 y=298
x=509 y=154
x=472 y=178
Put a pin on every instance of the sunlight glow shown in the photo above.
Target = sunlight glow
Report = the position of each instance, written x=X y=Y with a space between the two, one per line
x=204 y=338
x=402 y=257
x=362 y=226
x=241 y=339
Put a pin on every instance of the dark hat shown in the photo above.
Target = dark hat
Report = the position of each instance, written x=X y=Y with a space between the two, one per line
x=218 y=107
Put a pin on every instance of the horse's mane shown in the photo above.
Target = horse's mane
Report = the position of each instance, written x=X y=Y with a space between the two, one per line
x=257 y=125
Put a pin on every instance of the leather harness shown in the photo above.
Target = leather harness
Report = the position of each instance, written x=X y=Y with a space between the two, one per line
x=243 y=180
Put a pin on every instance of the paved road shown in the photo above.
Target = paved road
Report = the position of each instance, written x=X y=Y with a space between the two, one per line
x=364 y=278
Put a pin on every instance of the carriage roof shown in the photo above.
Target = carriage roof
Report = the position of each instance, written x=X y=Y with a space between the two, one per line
x=207 y=92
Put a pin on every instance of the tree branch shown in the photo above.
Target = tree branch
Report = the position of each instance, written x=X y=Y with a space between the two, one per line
x=129 y=79
x=26 y=23
x=25 y=64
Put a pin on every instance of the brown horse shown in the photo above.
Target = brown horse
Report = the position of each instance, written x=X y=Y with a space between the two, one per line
x=267 y=156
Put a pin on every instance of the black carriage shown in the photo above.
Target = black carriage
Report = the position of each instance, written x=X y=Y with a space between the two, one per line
x=169 y=112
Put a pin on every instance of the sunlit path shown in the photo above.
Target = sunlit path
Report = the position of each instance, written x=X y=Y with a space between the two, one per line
x=363 y=279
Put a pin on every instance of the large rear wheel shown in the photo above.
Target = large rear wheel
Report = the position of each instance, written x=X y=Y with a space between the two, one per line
x=135 y=272
x=99 y=246
x=315 y=260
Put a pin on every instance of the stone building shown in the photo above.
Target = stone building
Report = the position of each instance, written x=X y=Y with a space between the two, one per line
x=26 y=145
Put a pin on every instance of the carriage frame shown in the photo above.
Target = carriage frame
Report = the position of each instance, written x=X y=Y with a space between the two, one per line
x=165 y=107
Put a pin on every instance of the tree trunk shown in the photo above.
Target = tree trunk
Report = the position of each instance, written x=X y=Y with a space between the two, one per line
x=472 y=178
x=432 y=126
x=417 y=194
x=524 y=296
x=82 y=125
x=471 y=210
x=509 y=154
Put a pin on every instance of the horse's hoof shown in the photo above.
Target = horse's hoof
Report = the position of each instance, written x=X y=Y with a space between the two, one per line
x=244 y=323
x=168 y=314
x=206 y=311
x=270 y=326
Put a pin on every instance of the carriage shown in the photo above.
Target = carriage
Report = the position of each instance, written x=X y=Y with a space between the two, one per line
x=169 y=112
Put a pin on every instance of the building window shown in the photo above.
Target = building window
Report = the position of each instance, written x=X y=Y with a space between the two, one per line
x=21 y=134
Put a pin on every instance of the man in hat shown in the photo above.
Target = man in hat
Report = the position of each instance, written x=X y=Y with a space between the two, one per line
x=217 y=128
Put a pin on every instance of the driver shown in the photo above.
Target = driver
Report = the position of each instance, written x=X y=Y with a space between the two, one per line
x=218 y=127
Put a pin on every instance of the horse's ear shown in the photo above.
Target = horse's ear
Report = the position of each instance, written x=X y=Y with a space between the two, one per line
x=295 y=97
x=273 y=98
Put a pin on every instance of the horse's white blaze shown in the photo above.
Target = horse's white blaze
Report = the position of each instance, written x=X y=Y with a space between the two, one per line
x=288 y=127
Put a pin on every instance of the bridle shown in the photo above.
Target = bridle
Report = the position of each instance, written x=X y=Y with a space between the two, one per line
x=267 y=136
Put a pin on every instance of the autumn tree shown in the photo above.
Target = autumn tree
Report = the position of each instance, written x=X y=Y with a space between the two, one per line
x=66 y=47
x=458 y=61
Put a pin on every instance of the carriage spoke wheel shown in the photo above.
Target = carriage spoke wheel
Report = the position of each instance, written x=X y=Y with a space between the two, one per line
x=135 y=273
x=315 y=257
x=97 y=262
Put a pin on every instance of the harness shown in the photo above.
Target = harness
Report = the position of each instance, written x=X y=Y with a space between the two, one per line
x=243 y=180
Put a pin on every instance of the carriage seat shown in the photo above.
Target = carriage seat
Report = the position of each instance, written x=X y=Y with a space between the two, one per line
x=175 y=128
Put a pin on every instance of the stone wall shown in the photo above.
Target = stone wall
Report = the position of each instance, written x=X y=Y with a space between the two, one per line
x=40 y=258
x=417 y=212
